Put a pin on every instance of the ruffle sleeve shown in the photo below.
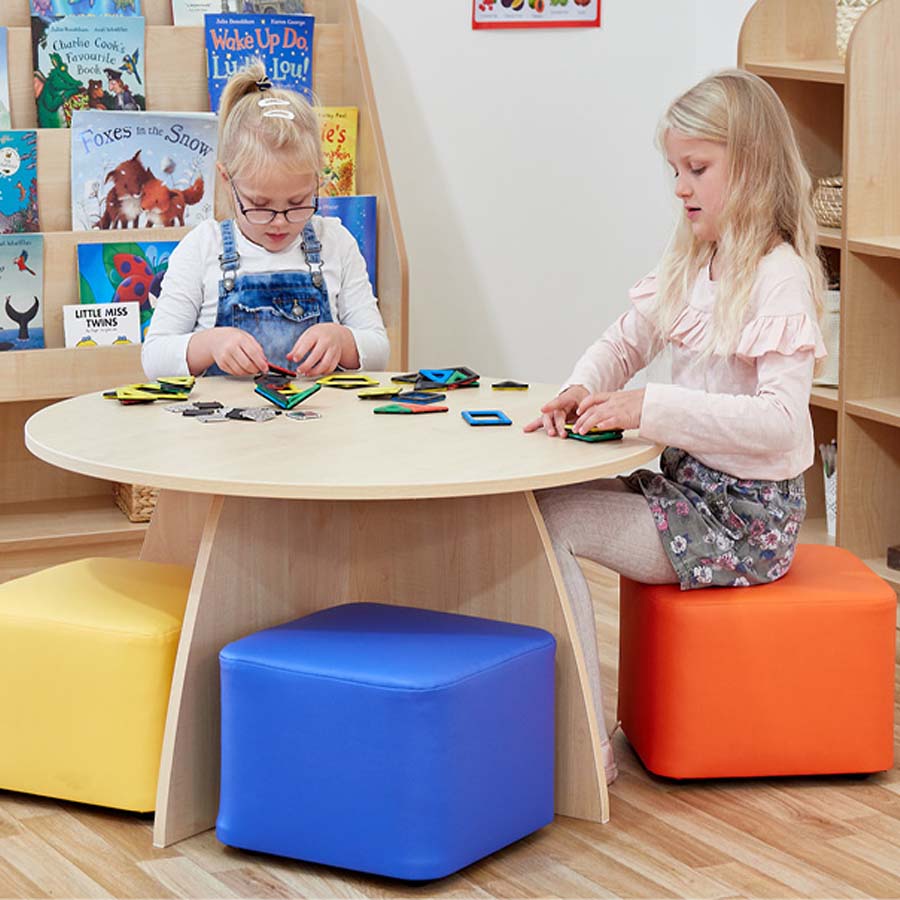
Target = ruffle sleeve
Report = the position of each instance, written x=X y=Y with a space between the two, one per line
x=643 y=295
x=764 y=334
x=781 y=334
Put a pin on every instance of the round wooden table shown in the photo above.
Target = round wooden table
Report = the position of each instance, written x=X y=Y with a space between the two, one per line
x=282 y=518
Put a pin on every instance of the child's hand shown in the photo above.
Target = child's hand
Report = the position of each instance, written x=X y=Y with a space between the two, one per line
x=322 y=348
x=621 y=409
x=558 y=411
x=233 y=350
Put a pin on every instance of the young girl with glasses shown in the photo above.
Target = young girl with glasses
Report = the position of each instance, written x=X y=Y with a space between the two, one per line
x=276 y=284
x=736 y=298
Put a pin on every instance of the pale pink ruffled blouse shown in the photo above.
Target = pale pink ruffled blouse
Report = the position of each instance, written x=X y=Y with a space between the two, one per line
x=746 y=414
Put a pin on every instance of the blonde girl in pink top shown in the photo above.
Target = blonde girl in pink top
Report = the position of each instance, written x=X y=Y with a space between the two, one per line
x=737 y=298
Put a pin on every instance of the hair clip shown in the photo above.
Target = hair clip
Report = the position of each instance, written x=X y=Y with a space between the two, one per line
x=273 y=101
x=263 y=84
x=278 y=114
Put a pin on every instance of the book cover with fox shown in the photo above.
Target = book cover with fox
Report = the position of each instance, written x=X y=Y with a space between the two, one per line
x=283 y=43
x=339 y=147
x=142 y=170
x=21 y=291
x=86 y=62
x=18 y=182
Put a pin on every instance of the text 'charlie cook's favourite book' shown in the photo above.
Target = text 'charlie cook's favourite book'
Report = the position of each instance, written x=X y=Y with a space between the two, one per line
x=338 y=125
x=18 y=182
x=283 y=43
x=191 y=12
x=142 y=170
x=21 y=291
x=86 y=62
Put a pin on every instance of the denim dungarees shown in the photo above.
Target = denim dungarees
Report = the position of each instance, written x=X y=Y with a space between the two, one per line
x=275 y=307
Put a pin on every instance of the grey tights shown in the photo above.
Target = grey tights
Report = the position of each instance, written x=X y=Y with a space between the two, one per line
x=606 y=522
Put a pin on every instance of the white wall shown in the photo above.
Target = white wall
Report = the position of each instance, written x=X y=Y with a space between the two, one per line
x=530 y=193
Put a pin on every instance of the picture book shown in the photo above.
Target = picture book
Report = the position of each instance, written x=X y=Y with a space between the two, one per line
x=124 y=272
x=5 y=121
x=22 y=291
x=86 y=62
x=191 y=12
x=142 y=170
x=339 y=146
x=101 y=325
x=48 y=9
x=358 y=214
x=18 y=182
x=283 y=43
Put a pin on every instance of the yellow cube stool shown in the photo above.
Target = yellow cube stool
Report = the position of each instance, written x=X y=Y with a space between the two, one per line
x=86 y=656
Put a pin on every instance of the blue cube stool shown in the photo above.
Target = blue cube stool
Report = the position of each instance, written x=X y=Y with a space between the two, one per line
x=391 y=740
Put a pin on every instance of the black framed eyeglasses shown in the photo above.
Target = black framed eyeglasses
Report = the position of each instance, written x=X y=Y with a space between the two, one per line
x=296 y=215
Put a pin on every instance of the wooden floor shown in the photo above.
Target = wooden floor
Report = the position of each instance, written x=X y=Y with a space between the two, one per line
x=821 y=837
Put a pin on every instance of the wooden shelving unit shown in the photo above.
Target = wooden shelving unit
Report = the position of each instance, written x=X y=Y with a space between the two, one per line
x=48 y=515
x=847 y=119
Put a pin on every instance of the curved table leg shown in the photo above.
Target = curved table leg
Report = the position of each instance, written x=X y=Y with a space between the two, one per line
x=263 y=562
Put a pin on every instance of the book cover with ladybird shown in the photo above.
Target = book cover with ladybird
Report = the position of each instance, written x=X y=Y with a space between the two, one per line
x=142 y=170
x=124 y=272
x=18 y=182
x=359 y=215
x=54 y=8
x=86 y=62
x=339 y=147
x=21 y=291
x=4 y=80
x=283 y=43
x=191 y=12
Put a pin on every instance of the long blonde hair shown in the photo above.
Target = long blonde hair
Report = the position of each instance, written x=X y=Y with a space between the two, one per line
x=768 y=200
x=250 y=141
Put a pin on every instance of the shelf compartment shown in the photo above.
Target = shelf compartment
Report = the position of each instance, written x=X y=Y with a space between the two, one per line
x=826 y=71
x=877 y=246
x=829 y=237
x=815 y=531
x=885 y=410
x=39 y=534
x=824 y=397
x=869 y=484
x=56 y=373
x=76 y=520
x=870 y=325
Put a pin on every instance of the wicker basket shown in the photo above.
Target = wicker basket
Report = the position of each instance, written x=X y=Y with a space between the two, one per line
x=827 y=201
x=137 y=501
x=848 y=13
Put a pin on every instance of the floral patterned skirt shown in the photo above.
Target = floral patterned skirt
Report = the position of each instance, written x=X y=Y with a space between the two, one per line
x=718 y=530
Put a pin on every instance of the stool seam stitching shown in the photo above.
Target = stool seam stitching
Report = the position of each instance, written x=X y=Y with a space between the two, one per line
x=29 y=620
x=389 y=687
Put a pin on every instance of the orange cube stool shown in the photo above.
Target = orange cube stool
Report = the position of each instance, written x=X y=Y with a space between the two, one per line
x=790 y=678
